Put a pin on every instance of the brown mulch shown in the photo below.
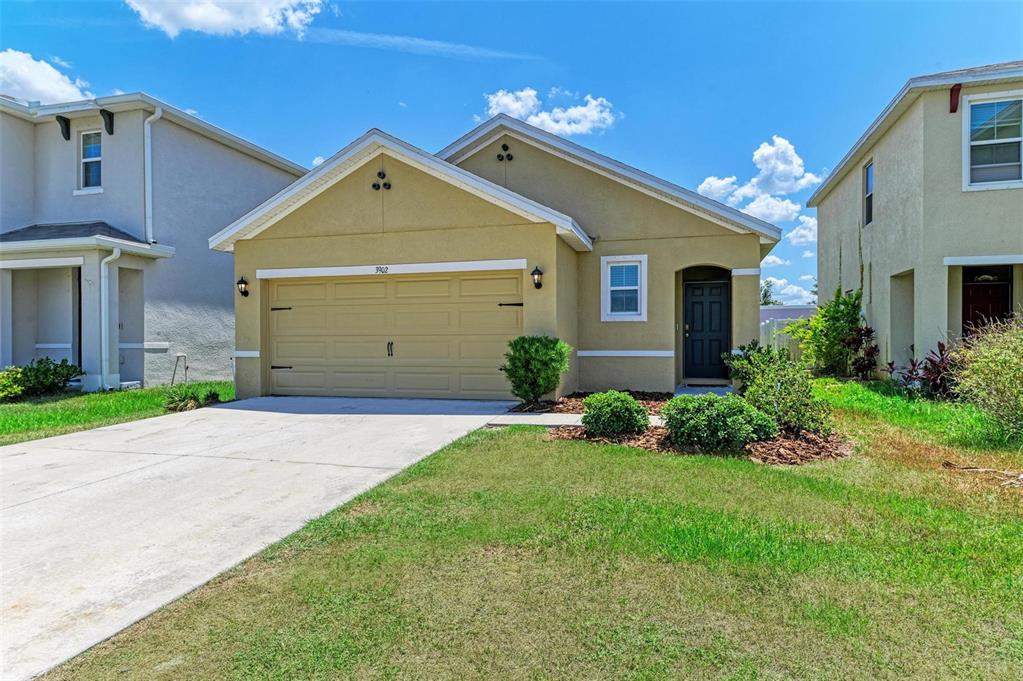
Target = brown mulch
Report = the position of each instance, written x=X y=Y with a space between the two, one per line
x=783 y=450
x=573 y=404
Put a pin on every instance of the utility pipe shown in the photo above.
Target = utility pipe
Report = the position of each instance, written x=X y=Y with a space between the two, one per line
x=147 y=154
x=104 y=317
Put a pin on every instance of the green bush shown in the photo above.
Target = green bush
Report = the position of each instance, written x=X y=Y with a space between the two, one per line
x=825 y=337
x=534 y=365
x=781 y=388
x=717 y=424
x=188 y=396
x=614 y=413
x=988 y=372
x=744 y=365
x=10 y=383
x=44 y=376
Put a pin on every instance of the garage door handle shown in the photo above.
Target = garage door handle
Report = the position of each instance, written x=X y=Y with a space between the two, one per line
x=278 y=309
x=390 y=348
x=279 y=366
x=509 y=304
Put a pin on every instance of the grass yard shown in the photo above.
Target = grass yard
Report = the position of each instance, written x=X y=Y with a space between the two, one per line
x=506 y=555
x=72 y=411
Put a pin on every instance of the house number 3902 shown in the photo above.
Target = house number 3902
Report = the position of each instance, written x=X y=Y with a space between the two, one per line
x=381 y=269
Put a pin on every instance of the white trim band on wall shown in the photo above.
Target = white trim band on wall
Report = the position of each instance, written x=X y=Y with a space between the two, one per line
x=984 y=260
x=246 y=353
x=625 y=353
x=398 y=268
x=32 y=263
x=747 y=271
x=53 y=346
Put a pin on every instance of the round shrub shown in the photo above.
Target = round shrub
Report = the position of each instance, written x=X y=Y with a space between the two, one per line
x=534 y=365
x=782 y=389
x=717 y=424
x=614 y=413
x=10 y=383
x=43 y=376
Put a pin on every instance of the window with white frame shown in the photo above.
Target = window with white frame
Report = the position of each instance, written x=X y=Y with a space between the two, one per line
x=623 y=288
x=868 y=193
x=91 y=159
x=994 y=140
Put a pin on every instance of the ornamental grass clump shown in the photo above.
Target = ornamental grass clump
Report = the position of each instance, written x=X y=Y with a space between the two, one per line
x=614 y=413
x=988 y=372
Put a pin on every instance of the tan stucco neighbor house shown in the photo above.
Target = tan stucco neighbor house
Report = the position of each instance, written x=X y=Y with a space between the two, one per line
x=390 y=271
x=925 y=212
x=106 y=207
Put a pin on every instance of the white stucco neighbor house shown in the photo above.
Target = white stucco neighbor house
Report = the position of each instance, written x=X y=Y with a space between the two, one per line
x=106 y=206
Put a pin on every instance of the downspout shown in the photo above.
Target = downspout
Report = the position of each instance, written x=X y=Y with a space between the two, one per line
x=104 y=316
x=147 y=154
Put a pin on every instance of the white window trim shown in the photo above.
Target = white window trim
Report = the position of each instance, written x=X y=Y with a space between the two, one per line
x=983 y=98
x=82 y=189
x=605 y=288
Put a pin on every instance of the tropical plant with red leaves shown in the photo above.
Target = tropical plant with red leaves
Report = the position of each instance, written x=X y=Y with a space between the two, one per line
x=937 y=372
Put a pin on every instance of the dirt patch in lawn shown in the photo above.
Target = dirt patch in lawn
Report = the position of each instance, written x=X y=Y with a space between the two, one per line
x=573 y=404
x=784 y=450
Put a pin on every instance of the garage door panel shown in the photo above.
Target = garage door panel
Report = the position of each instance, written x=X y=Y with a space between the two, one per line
x=448 y=335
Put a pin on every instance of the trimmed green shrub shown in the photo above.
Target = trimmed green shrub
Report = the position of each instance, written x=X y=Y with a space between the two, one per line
x=716 y=424
x=781 y=388
x=825 y=337
x=187 y=396
x=613 y=413
x=10 y=383
x=988 y=371
x=744 y=365
x=44 y=376
x=534 y=365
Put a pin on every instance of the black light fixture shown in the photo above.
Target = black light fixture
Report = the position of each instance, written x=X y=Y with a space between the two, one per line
x=243 y=287
x=537 y=275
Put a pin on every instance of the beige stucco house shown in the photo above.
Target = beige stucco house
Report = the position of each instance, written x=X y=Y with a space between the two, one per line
x=925 y=212
x=388 y=270
x=106 y=206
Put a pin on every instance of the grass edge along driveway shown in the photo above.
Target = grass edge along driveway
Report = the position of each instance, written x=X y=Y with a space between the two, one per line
x=72 y=411
x=508 y=555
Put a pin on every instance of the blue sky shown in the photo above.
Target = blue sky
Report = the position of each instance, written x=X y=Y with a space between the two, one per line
x=686 y=91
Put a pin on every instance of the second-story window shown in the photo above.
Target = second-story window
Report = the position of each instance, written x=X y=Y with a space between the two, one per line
x=995 y=141
x=92 y=159
x=868 y=193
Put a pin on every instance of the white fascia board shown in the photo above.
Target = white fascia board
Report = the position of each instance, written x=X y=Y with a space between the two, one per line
x=396 y=268
x=89 y=243
x=960 y=260
x=651 y=185
x=359 y=152
x=38 y=263
x=905 y=97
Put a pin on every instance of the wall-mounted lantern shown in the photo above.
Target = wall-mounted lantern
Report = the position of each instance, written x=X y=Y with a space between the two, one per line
x=537 y=275
x=243 y=287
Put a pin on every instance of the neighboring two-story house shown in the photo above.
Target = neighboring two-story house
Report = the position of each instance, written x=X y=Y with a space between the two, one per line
x=106 y=206
x=925 y=212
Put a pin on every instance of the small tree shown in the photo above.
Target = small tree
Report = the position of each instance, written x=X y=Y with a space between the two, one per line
x=534 y=366
x=824 y=337
x=767 y=293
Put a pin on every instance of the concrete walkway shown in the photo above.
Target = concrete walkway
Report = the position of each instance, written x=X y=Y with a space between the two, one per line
x=100 y=528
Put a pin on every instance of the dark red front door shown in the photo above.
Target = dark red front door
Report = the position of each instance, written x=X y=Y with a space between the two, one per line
x=984 y=302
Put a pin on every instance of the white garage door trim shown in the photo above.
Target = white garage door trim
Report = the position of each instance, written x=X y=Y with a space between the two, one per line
x=399 y=268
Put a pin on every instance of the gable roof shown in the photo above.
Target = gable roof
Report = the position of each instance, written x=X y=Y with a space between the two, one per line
x=914 y=87
x=651 y=185
x=363 y=150
x=41 y=113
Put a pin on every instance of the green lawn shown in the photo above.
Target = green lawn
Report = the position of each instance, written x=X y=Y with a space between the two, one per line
x=506 y=555
x=68 y=412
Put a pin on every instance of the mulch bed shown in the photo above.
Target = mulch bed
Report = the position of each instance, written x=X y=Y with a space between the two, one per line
x=573 y=404
x=783 y=450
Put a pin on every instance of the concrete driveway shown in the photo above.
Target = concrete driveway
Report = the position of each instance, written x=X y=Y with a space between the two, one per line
x=100 y=528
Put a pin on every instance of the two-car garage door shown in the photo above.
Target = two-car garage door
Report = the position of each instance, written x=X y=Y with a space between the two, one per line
x=441 y=335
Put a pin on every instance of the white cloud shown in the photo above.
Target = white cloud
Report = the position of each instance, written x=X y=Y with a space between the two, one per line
x=774 y=261
x=406 y=43
x=227 y=17
x=318 y=160
x=807 y=277
x=780 y=171
x=771 y=208
x=403 y=105
x=594 y=114
x=31 y=79
x=808 y=254
x=789 y=293
x=805 y=232
x=60 y=62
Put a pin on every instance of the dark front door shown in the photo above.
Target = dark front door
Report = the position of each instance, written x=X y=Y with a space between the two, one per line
x=708 y=323
x=987 y=295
